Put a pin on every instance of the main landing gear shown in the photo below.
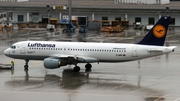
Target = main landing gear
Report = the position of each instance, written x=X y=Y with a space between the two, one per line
x=76 y=69
x=88 y=67
x=26 y=65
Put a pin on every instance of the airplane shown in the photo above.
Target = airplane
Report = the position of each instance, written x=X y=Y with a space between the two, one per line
x=56 y=54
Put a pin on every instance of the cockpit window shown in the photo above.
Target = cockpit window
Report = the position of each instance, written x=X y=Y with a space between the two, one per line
x=13 y=47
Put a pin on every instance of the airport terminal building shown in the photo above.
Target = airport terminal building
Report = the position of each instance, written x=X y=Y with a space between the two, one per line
x=122 y=10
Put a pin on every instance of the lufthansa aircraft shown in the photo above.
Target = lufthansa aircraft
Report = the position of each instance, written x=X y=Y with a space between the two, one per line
x=57 y=54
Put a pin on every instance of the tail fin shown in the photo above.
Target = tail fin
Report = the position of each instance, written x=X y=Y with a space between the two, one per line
x=156 y=36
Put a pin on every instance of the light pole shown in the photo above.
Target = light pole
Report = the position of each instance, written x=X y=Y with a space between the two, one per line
x=48 y=10
x=69 y=7
x=167 y=11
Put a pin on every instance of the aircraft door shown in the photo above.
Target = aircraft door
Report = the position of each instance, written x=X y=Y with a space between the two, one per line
x=23 y=48
x=134 y=51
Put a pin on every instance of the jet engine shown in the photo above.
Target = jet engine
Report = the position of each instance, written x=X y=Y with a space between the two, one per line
x=51 y=63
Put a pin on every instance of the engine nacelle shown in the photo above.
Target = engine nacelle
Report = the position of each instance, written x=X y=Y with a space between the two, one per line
x=51 y=63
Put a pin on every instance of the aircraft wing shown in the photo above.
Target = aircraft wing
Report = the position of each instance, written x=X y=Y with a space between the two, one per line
x=87 y=59
x=82 y=59
x=61 y=56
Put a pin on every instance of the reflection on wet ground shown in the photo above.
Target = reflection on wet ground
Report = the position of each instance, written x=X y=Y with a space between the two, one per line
x=153 y=79
x=70 y=81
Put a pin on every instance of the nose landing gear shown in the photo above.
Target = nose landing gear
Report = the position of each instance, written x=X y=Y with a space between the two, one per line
x=26 y=65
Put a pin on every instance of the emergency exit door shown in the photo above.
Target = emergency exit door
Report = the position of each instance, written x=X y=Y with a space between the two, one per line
x=134 y=51
x=23 y=48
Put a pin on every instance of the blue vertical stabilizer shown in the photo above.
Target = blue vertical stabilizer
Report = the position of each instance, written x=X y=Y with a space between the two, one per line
x=156 y=36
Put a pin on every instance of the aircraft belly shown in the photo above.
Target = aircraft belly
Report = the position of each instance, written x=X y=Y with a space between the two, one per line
x=28 y=57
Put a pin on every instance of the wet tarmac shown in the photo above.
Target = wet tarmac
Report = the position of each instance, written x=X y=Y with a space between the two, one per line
x=152 y=79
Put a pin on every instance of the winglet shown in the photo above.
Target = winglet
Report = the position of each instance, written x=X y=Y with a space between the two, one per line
x=156 y=36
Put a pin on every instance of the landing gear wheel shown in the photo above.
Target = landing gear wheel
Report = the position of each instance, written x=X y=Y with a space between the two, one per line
x=88 y=66
x=76 y=69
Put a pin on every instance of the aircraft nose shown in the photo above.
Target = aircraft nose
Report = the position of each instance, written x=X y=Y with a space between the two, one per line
x=6 y=52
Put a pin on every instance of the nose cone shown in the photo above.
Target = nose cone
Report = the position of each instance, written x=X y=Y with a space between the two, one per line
x=6 y=52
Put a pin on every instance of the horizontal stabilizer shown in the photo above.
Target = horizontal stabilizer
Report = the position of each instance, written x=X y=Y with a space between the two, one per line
x=170 y=48
x=155 y=50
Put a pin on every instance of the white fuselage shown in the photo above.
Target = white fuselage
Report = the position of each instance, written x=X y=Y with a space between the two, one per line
x=104 y=52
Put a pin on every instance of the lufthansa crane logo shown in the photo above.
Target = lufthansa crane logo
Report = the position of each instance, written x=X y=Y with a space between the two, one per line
x=159 y=31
